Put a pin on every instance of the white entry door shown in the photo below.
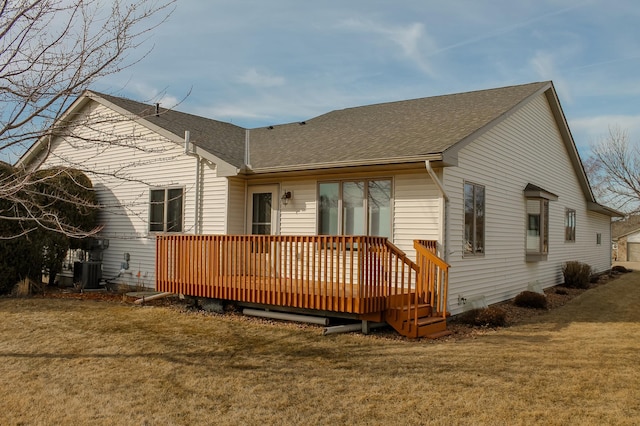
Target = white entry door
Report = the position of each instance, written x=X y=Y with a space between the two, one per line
x=262 y=210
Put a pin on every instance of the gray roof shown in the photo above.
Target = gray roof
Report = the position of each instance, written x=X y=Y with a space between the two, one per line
x=393 y=131
x=377 y=133
x=224 y=140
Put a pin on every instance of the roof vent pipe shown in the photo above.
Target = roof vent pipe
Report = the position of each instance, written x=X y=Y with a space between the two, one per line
x=157 y=109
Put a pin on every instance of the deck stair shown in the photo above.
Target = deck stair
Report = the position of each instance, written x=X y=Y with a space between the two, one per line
x=416 y=320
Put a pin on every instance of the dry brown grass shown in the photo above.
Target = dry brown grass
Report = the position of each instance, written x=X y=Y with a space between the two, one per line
x=88 y=362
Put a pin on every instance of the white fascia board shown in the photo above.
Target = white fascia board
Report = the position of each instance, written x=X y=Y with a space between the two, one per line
x=340 y=164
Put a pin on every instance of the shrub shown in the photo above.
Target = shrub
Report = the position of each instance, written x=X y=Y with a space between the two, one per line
x=531 y=299
x=576 y=274
x=484 y=317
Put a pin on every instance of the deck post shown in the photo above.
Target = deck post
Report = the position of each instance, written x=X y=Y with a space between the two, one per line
x=366 y=329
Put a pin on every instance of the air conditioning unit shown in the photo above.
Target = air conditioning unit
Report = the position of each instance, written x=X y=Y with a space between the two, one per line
x=87 y=274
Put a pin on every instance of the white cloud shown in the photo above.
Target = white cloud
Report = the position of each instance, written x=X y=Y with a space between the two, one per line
x=596 y=128
x=544 y=66
x=254 y=78
x=412 y=39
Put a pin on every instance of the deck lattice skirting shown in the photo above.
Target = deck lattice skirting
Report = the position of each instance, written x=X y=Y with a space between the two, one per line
x=361 y=275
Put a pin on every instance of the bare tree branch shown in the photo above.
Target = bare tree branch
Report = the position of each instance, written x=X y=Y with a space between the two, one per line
x=51 y=51
x=614 y=170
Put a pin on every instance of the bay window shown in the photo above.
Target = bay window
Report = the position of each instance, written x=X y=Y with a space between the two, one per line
x=537 y=222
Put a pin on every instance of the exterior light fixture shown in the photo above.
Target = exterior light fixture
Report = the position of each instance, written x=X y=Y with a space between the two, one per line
x=286 y=197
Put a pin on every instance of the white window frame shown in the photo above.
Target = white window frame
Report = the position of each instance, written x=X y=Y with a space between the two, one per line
x=542 y=250
x=166 y=203
x=365 y=207
x=534 y=193
x=472 y=248
x=570 y=225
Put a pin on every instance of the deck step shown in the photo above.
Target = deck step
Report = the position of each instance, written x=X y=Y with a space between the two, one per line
x=424 y=321
x=438 y=334
x=426 y=325
x=424 y=310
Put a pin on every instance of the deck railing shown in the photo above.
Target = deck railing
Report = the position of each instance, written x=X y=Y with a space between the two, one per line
x=350 y=274
x=433 y=278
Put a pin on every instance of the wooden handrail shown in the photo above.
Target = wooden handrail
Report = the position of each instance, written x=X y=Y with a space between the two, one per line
x=434 y=278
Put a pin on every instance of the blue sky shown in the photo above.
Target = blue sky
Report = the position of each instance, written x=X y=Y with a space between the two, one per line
x=258 y=62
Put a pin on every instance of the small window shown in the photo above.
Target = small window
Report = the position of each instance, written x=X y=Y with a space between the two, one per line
x=570 y=225
x=473 y=219
x=165 y=209
x=599 y=240
x=361 y=207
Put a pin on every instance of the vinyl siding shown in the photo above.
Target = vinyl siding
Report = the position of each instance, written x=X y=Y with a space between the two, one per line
x=214 y=201
x=524 y=148
x=236 y=207
x=417 y=210
x=154 y=161
x=298 y=217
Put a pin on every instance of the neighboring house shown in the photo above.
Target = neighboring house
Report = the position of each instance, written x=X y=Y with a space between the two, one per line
x=627 y=246
x=493 y=176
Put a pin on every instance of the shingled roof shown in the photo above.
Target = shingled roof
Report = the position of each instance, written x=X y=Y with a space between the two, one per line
x=393 y=132
x=397 y=131
x=224 y=140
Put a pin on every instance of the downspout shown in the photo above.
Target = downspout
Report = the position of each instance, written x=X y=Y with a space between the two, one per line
x=187 y=150
x=247 y=166
x=443 y=210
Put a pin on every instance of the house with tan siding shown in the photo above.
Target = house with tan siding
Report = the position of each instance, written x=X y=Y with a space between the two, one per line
x=491 y=179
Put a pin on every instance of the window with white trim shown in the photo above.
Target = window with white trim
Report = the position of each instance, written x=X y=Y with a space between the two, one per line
x=166 y=209
x=537 y=222
x=359 y=207
x=538 y=227
x=473 y=219
x=570 y=225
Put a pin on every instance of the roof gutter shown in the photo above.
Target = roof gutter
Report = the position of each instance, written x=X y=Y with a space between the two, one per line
x=350 y=163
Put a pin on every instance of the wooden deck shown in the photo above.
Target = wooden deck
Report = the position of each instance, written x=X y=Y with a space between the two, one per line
x=365 y=276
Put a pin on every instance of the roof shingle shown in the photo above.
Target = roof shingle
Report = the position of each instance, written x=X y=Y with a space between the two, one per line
x=403 y=129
